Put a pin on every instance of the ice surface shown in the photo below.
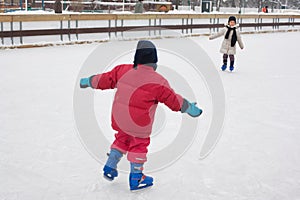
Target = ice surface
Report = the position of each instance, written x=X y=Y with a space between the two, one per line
x=257 y=158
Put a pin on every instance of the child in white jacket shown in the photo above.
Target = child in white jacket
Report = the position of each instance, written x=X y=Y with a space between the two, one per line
x=228 y=48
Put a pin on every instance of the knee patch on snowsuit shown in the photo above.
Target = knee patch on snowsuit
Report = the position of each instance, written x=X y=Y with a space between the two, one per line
x=136 y=148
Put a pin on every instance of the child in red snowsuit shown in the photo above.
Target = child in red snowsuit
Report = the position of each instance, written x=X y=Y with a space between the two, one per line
x=139 y=90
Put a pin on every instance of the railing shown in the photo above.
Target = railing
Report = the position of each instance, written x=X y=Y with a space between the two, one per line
x=73 y=27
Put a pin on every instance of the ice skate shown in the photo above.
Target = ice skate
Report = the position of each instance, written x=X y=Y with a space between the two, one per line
x=138 y=181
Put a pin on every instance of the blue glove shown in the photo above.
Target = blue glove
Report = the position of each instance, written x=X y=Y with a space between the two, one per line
x=86 y=82
x=190 y=108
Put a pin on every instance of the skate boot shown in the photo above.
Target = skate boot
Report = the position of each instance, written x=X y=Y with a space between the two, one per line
x=139 y=181
x=231 y=68
x=224 y=67
x=109 y=173
x=110 y=169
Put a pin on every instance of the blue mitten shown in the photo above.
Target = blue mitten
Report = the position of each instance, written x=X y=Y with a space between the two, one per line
x=190 y=108
x=85 y=82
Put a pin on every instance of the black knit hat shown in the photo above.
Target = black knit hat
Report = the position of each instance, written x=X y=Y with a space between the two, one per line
x=145 y=54
x=232 y=18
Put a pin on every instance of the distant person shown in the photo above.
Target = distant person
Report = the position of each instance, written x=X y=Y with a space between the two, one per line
x=228 y=48
x=163 y=8
x=57 y=7
x=139 y=7
x=265 y=9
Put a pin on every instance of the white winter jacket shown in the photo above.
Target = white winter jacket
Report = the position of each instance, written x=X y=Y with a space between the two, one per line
x=226 y=47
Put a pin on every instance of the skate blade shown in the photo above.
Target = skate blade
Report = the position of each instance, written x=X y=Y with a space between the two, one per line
x=141 y=188
x=107 y=178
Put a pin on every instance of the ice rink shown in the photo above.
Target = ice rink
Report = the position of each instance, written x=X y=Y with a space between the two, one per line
x=257 y=157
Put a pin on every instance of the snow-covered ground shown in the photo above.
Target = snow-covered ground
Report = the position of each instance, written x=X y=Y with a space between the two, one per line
x=257 y=157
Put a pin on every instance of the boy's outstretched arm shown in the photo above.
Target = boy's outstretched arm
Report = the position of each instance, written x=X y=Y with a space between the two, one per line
x=103 y=81
x=176 y=103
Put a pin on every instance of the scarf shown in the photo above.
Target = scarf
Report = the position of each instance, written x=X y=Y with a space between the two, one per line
x=234 y=37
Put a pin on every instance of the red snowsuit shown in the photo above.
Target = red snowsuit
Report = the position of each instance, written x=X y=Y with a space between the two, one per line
x=138 y=93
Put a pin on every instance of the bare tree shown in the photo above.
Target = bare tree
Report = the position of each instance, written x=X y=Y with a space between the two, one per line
x=77 y=5
x=218 y=2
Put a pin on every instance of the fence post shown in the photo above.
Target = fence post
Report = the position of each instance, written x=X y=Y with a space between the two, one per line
x=159 y=32
x=21 y=37
x=187 y=23
x=122 y=24
x=109 y=27
x=182 y=23
x=149 y=27
x=210 y=28
x=12 y=34
x=61 y=28
x=192 y=25
x=69 y=26
x=2 y=39
x=116 y=25
x=261 y=23
x=155 y=26
x=76 y=24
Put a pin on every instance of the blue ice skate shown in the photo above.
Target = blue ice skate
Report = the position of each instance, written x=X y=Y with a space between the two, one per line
x=109 y=173
x=224 y=67
x=138 y=181
x=231 y=68
x=110 y=168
